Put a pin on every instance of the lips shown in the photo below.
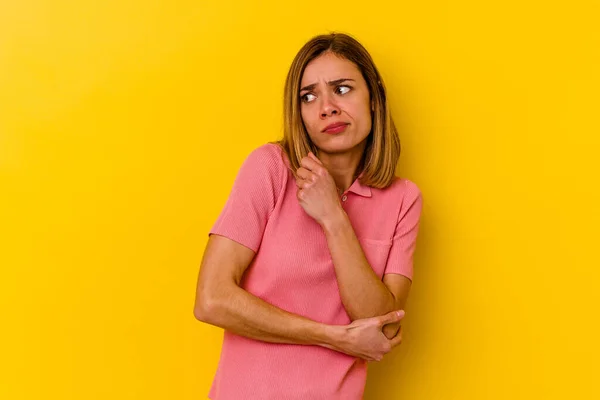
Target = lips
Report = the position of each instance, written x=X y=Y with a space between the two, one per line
x=336 y=127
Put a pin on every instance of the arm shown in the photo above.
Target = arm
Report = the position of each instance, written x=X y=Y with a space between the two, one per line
x=235 y=238
x=363 y=293
x=221 y=302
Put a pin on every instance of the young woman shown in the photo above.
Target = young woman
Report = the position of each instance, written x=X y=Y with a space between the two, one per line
x=310 y=262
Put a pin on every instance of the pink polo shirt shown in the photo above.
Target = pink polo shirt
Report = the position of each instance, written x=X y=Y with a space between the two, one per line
x=293 y=270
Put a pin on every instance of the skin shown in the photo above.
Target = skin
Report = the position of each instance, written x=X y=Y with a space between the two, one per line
x=220 y=301
x=325 y=99
x=333 y=90
x=374 y=306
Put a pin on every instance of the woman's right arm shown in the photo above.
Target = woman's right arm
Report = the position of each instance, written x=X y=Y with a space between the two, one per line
x=220 y=301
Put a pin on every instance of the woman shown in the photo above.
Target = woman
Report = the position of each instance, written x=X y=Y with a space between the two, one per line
x=309 y=264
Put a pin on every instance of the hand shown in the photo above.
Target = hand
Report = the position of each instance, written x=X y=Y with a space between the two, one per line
x=317 y=192
x=365 y=339
x=392 y=330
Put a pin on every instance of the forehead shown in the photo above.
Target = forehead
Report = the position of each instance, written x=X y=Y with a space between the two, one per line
x=329 y=67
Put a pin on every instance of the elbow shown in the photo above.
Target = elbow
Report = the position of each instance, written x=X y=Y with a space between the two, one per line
x=366 y=313
x=214 y=302
x=206 y=308
x=375 y=309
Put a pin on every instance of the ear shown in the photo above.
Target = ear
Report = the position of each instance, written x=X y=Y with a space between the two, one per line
x=372 y=106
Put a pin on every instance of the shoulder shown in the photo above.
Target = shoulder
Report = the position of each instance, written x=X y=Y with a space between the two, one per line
x=400 y=195
x=408 y=200
x=404 y=189
x=406 y=197
x=269 y=154
x=265 y=162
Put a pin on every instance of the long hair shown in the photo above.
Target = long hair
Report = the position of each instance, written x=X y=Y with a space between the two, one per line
x=382 y=151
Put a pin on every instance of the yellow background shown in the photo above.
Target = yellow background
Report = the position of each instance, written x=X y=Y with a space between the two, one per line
x=123 y=124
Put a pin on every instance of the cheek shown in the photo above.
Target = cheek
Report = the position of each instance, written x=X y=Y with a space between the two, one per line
x=308 y=119
x=361 y=112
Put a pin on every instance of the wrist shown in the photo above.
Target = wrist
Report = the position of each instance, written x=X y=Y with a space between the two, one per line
x=333 y=337
x=335 y=221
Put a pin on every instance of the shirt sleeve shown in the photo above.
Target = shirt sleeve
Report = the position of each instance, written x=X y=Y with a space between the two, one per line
x=400 y=259
x=252 y=198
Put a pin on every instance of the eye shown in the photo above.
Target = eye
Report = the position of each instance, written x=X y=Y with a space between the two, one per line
x=308 y=97
x=343 y=89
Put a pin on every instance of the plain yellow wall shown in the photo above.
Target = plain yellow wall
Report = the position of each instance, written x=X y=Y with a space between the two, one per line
x=123 y=124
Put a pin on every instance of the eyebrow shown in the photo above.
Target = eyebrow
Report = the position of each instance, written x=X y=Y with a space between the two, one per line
x=330 y=83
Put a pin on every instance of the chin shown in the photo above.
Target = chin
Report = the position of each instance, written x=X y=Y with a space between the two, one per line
x=337 y=145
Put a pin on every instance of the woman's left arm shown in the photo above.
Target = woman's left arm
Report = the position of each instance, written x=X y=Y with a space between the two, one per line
x=363 y=293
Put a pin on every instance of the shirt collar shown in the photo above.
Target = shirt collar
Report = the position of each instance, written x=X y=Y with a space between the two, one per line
x=360 y=189
x=356 y=187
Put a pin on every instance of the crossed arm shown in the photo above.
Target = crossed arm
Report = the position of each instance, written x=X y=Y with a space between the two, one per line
x=372 y=304
x=220 y=301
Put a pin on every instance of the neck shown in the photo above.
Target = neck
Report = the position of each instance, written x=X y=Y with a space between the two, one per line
x=342 y=166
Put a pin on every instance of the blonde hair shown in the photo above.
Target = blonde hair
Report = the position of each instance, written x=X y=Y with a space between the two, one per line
x=382 y=150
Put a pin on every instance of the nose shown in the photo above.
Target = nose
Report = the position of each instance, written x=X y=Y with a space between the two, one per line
x=328 y=106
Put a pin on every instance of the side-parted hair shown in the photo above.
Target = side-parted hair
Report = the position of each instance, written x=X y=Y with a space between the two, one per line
x=382 y=149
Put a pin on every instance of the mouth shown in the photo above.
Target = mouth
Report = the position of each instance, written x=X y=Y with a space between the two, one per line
x=337 y=127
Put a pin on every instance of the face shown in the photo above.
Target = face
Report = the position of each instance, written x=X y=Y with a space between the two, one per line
x=335 y=104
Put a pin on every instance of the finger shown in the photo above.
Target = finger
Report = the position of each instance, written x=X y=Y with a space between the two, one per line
x=302 y=183
x=311 y=154
x=391 y=330
x=305 y=174
x=391 y=317
x=306 y=184
x=311 y=164
x=396 y=340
